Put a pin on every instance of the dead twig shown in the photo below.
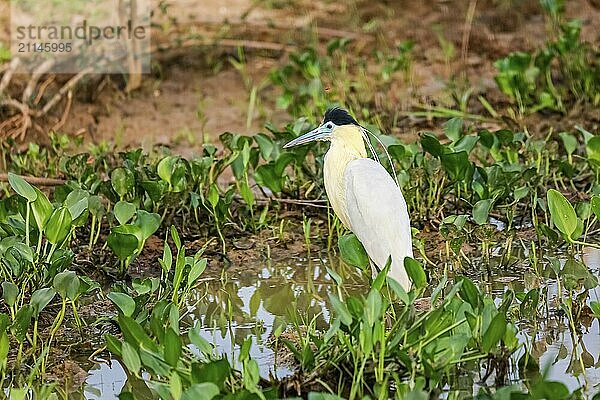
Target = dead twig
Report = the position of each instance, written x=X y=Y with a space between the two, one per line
x=63 y=119
x=26 y=117
x=248 y=44
x=14 y=64
x=43 y=88
x=35 y=77
x=63 y=90
x=34 y=180
x=464 y=49
x=305 y=203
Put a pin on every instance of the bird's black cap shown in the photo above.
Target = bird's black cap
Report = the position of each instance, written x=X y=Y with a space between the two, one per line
x=339 y=116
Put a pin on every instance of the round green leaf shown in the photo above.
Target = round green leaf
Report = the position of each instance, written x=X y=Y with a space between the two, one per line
x=66 y=284
x=122 y=244
x=77 y=202
x=124 y=302
x=148 y=223
x=124 y=211
x=352 y=251
x=10 y=291
x=122 y=181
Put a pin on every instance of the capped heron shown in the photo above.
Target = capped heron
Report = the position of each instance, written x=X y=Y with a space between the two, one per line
x=362 y=193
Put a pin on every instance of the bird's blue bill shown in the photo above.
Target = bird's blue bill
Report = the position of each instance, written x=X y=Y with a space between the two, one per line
x=323 y=132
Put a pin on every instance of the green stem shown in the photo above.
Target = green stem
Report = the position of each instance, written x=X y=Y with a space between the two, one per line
x=35 y=334
x=98 y=231
x=92 y=232
x=52 y=248
x=27 y=223
x=76 y=316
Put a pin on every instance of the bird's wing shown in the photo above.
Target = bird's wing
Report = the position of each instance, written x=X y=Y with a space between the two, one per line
x=378 y=215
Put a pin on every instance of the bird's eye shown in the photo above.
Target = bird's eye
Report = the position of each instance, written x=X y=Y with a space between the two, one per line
x=329 y=126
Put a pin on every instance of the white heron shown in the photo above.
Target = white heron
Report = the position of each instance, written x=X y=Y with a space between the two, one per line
x=362 y=193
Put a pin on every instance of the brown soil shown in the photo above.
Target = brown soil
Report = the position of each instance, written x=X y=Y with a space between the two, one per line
x=194 y=97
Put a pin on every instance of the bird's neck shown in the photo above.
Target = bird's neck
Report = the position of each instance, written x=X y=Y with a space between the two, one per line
x=346 y=145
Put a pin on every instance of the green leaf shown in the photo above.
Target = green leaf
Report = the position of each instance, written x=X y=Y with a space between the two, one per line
x=341 y=309
x=197 y=340
x=134 y=334
x=175 y=386
x=213 y=195
x=124 y=211
x=453 y=129
x=95 y=206
x=4 y=346
x=165 y=168
x=131 y=358
x=40 y=299
x=122 y=181
x=24 y=251
x=201 y=391
x=562 y=213
x=167 y=260
x=175 y=237
x=172 y=347
x=113 y=345
x=399 y=291
x=148 y=222
x=481 y=211
x=41 y=209
x=154 y=362
x=77 y=202
x=352 y=251
x=66 y=284
x=373 y=308
x=123 y=245
x=431 y=144
x=595 y=203
x=466 y=144
x=215 y=372
x=458 y=166
x=123 y=301
x=494 y=332
x=21 y=323
x=415 y=272
x=22 y=187
x=470 y=293
x=569 y=141
x=550 y=390
x=59 y=225
x=323 y=396
x=246 y=193
x=196 y=270
x=595 y=306
x=593 y=148
x=10 y=292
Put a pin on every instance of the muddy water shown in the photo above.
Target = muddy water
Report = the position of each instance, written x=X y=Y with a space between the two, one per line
x=255 y=301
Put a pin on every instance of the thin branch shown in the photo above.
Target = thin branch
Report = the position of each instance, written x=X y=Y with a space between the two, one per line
x=36 y=181
x=63 y=90
x=14 y=64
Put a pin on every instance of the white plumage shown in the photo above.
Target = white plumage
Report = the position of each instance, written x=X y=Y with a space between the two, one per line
x=379 y=216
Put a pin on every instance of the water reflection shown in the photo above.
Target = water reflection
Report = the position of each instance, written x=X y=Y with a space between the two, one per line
x=253 y=301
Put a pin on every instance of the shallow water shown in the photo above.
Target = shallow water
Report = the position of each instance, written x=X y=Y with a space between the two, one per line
x=254 y=300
